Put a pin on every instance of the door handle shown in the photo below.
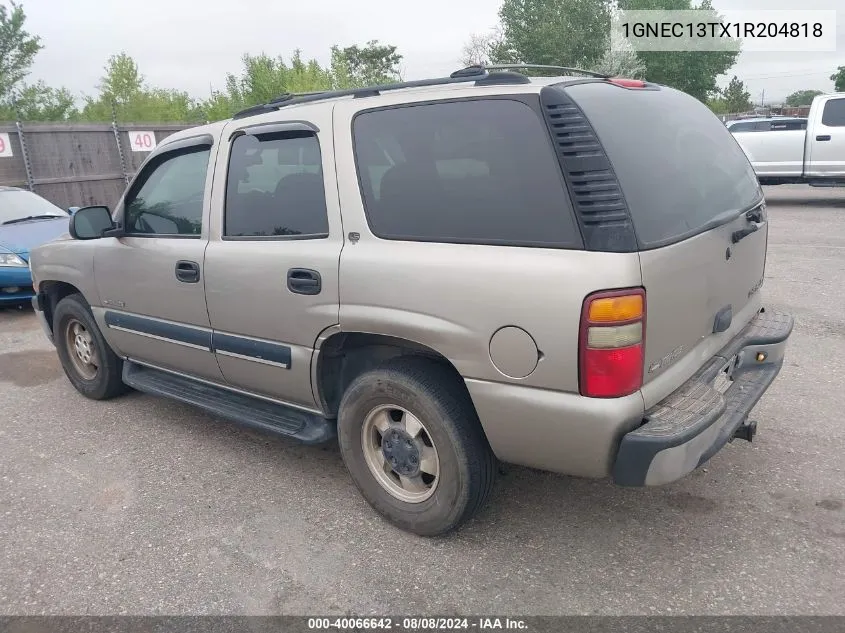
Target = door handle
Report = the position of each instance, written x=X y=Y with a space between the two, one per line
x=304 y=281
x=823 y=137
x=187 y=272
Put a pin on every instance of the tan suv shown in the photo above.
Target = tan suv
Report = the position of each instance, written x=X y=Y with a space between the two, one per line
x=559 y=272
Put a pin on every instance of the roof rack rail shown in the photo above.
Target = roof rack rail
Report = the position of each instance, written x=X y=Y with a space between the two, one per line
x=589 y=73
x=292 y=99
x=479 y=73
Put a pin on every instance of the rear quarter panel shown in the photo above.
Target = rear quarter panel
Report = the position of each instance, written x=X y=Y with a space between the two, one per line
x=454 y=297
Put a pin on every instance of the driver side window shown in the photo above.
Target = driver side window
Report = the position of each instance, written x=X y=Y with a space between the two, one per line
x=168 y=198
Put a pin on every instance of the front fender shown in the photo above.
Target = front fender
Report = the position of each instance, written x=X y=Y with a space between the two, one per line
x=66 y=261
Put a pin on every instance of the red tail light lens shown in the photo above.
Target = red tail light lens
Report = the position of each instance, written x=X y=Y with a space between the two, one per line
x=611 y=343
x=611 y=373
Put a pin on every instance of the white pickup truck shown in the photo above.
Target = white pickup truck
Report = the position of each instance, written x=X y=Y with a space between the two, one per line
x=815 y=156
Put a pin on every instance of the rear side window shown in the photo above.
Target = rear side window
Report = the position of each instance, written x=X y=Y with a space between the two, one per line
x=833 y=114
x=274 y=187
x=744 y=127
x=681 y=171
x=479 y=171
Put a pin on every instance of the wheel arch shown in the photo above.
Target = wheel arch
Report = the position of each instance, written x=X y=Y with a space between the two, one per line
x=342 y=356
x=54 y=291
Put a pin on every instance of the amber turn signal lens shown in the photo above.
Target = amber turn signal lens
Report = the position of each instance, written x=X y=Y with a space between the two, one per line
x=614 y=309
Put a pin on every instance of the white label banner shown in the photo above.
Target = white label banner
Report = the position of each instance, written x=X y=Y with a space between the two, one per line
x=142 y=141
x=729 y=30
x=5 y=145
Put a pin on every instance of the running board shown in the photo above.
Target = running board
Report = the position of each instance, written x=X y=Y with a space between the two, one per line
x=308 y=428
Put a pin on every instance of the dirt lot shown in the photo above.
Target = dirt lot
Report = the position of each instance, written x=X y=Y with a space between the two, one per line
x=145 y=506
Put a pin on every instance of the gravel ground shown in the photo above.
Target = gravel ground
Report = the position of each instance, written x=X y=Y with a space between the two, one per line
x=145 y=506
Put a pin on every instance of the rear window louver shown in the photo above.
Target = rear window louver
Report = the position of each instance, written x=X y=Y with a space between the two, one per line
x=595 y=192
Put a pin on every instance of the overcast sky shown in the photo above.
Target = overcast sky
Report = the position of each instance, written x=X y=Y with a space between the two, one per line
x=192 y=44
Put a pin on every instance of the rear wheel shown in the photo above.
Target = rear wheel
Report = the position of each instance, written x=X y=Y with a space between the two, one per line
x=89 y=363
x=413 y=444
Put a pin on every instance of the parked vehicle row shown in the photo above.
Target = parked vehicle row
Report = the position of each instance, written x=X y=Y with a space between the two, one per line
x=767 y=124
x=26 y=220
x=794 y=151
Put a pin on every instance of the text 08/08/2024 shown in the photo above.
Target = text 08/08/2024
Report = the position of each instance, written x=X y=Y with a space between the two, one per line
x=416 y=624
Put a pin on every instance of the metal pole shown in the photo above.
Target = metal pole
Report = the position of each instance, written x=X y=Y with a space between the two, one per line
x=120 y=153
x=27 y=165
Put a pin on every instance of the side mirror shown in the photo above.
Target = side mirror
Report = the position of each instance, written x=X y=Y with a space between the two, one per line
x=72 y=210
x=90 y=223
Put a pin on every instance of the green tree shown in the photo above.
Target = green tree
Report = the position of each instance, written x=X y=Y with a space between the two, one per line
x=561 y=32
x=18 y=48
x=39 y=102
x=122 y=82
x=694 y=72
x=838 y=79
x=216 y=108
x=619 y=58
x=372 y=64
x=801 y=97
x=736 y=97
x=123 y=93
x=718 y=105
x=264 y=78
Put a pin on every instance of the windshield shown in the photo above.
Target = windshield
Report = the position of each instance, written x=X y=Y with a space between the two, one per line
x=22 y=204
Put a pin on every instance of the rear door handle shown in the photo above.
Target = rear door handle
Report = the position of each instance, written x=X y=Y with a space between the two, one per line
x=823 y=137
x=304 y=281
x=187 y=272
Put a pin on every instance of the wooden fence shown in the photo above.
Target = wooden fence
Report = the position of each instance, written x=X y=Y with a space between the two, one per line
x=73 y=164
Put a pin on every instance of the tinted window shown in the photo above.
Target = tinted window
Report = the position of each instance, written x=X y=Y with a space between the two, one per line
x=168 y=198
x=834 y=113
x=680 y=169
x=749 y=126
x=763 y=126
x=275 y=187
x=469 y=171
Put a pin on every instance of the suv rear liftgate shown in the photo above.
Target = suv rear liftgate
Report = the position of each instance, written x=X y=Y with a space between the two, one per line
x=647 y=183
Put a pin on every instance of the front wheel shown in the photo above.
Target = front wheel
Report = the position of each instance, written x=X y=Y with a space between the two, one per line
x=89 y=363
x=414 y=447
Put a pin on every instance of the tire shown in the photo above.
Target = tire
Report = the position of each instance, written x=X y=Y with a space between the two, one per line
x=104 y=380
x=435 y=395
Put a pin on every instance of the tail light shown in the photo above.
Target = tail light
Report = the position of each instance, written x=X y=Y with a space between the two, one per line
x=611 y=343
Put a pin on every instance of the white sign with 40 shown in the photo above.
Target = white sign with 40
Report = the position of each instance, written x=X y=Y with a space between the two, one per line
x=142 y=141
x=5 y=145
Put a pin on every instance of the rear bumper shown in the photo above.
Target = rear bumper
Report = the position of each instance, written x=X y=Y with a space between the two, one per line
x=38 y=306
x=691 y=425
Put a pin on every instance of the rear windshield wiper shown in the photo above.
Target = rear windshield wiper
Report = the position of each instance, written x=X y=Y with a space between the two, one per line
x=736 y=236
x=755 y=216
x=30 y=217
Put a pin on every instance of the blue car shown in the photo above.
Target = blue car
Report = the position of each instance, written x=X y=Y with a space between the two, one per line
x=26 y=221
